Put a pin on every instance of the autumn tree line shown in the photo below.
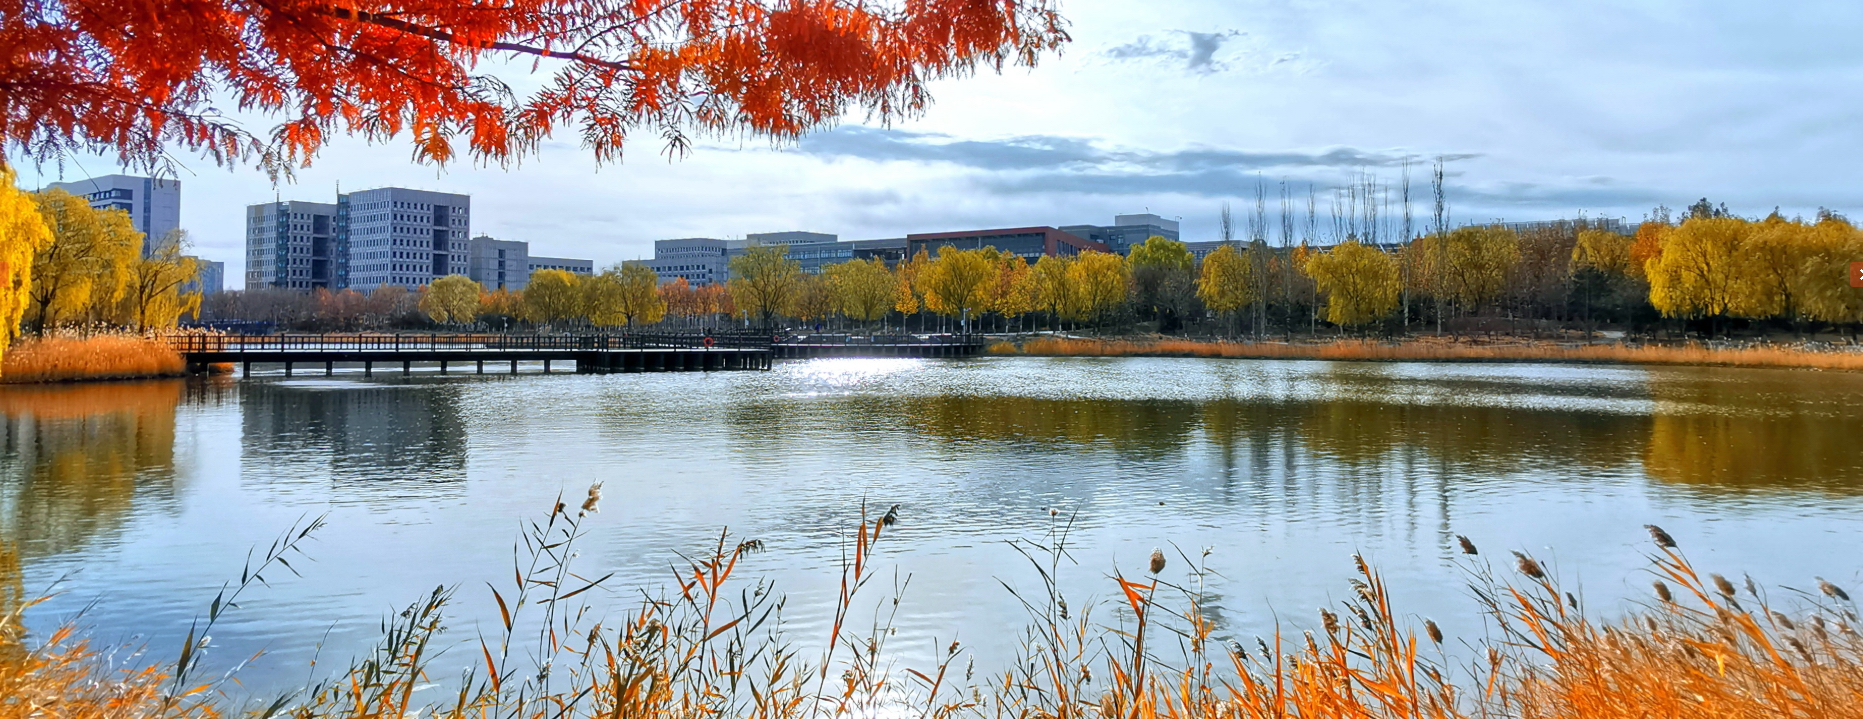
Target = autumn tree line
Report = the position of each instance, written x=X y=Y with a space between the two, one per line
x=74 y=266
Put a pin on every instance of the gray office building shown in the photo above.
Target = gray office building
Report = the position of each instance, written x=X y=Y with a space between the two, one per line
x=1126 y=231
x=498 y=264
x=154 y=206
x=398 y=236
x=292 y=244
x=212 y=278
x=700 y=261
x=580 y=267
x=811 y=250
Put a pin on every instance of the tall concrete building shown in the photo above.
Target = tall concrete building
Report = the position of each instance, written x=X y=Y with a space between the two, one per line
x=398 y=236
x=700 y=260
x=1126 y=231
x=212 y=278
x=154 y=206
x=498 y=264
x=292 y=244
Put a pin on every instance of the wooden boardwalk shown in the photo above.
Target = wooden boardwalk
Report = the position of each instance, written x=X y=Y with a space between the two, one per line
x=590 y=353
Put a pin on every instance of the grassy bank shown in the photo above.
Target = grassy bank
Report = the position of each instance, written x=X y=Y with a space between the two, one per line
x=96 y=357
x=1426 y=350
x=712 y=646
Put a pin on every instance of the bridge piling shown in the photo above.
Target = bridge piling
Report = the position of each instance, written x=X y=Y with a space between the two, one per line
x=287 y=369
x=329 y=368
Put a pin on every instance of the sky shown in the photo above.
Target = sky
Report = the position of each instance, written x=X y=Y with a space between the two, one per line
x=1543 y=110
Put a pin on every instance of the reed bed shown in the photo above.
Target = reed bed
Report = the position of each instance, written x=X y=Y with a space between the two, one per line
x=1423 y=351
x=711 y=646
x=94 y=357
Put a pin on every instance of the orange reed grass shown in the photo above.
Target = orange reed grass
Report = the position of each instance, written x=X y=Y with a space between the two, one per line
x=65 y=359
x=713 y=649
x=1416 y=351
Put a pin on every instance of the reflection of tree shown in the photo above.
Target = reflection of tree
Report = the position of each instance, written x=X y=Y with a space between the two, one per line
x=1760 y=429
x=373 y=439
x=1142 y=428
x=78 y=458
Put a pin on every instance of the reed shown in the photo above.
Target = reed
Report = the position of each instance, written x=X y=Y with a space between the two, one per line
x=1426 y=351
x=710 y=646
x=94 y=357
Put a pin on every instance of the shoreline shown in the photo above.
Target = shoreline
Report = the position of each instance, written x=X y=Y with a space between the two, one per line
x=97 y=358
x=1527 y=352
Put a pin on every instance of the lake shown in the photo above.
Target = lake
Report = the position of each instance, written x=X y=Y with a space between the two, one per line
x=133 y=503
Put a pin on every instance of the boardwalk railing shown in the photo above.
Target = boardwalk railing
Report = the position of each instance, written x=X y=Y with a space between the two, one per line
x=426 y=343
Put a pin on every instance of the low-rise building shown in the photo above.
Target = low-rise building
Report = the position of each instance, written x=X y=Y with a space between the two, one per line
x=1030 y=242
x=1127 y=231
x=700 y=261
x=498 y=264
x=580 y=267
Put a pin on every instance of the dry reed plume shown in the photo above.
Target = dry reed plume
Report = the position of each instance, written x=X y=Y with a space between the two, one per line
x=1413 y=351
x=64 y=359
x=710 y=647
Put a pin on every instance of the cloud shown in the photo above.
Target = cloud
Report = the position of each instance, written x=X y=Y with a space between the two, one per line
x=1196 y=50
x=1049 y=152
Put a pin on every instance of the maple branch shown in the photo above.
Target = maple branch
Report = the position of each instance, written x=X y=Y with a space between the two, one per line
x=380 y=20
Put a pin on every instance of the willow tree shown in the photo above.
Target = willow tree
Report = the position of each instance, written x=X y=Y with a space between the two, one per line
x=959 y=282
x=764 y=282
x=153 y=297
x=87 y=264
x=1012 y=295
x=1468 y=266
x=1226 y=284
x=1101 y=284
x=453 y=299
x=138 y=80
x=1053 y=291
x=624 y=295
x=862 y=289
x=552 y=296
x=1697 y=272
x=22 y=234
x=1360 y=282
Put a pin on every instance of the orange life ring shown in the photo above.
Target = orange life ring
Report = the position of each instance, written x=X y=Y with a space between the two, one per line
x=707 y=343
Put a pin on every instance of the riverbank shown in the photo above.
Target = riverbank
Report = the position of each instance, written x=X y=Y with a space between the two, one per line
x=1435 y=350
x=95 y=357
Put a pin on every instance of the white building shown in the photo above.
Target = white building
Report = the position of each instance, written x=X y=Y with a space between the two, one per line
x=580 y=267
x=398 y=236
x=154 y=206
x=292 y=244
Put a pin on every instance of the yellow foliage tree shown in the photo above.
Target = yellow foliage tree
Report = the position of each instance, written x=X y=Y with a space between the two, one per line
x=153 y=296
x=552 y=296
x=1051 y=289
x=1012 y=294
x=815 y=300
x=1226 y=283
x=1822 y=284
x=22 y=235
x=862 y=289
x=764 y=281
x=1468 y=266
x=958 y=282
x=1100 y=282
x=1361 y=283
x=906 y=290
x=626 y=295
x=85 y=266
x=1606 y=252
x=1697 y=270
x=501 y=302
x=1772 y=257
x=453 y=299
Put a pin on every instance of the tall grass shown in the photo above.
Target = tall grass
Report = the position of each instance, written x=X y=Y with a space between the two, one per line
x=69 y=358
x=1424 y=351
x=712 y=646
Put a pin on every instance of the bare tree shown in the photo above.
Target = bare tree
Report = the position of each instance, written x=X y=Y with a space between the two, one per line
x=1441 y=230
x=1409 y=234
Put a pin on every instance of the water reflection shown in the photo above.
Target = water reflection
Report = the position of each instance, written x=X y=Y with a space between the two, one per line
x=1745 y=430
x=368 y=441
x=77 y=460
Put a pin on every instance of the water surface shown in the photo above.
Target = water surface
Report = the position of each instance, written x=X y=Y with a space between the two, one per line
x=140 y=500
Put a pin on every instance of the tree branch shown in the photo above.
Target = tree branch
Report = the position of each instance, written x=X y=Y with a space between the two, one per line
x=379 y=20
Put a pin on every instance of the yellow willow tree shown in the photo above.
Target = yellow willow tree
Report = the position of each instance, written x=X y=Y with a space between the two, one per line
x=636 y=295
x=815 y=300
x=959 y=282
x=453 y=299
x=153 y=296
x=862 y=289
x=764 y=282
x=1822 y=284
x=1101 y=284
x=906 y=298
x=1361 y=283
x=1011 y=295
x=23 y=234
x=1226 y=284
x=1469 y=266
x=1774 y=253
x=87 y=263
x=1052 y=291
x=1697 y=270
x=552 y=296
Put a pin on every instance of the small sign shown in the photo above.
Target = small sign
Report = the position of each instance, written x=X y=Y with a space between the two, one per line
x=1856 y=274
